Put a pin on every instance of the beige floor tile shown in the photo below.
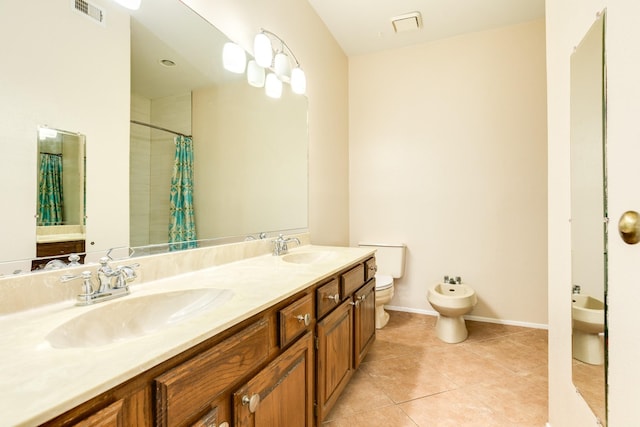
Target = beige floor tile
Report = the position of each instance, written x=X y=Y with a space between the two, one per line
x=496 y=378
x=408 y=377
x=391 y=416
x=515 y=398
x=360 y=395
x=451 y=409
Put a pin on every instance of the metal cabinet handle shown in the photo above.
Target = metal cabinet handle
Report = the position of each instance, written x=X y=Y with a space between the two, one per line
x=252 y=401
x=373 y=268
x=306 y=318
x=335 y=298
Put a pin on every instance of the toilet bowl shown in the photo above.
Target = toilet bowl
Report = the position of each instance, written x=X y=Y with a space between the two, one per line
x=390 y=261
x=587 y=314
x=451 y=301
x=384 y=294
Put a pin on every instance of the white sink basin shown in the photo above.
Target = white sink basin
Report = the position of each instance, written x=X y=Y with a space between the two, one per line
x=133 y=317
x=309 y=257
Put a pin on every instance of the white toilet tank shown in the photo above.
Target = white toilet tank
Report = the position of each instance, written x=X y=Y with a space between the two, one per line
x=390 y=258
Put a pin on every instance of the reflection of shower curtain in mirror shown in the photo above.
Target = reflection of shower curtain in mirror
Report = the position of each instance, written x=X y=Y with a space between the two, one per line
x=50 y=190
x=182 y=225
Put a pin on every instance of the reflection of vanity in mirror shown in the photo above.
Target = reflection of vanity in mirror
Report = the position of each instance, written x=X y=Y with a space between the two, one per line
x=60 y=196
x=588 y=218
x=250 y=150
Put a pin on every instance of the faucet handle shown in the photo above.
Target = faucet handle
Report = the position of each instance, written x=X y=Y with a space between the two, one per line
x=87 y=284
x=126 y=274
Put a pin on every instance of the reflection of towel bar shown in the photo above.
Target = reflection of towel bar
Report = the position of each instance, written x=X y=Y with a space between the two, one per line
x=159 y=128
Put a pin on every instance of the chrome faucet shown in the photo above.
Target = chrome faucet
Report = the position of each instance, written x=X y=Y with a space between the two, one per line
x=112 y=283
x=280 y=246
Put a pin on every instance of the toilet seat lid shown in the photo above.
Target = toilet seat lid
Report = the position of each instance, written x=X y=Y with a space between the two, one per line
x=383 y=281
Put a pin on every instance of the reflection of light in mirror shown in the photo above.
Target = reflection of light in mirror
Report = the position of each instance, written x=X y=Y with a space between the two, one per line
x=255 y=74
x=234 y=58
x=273 y=86
x=298 y=81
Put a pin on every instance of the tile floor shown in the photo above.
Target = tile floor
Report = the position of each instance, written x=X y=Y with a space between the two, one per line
x=496 y=378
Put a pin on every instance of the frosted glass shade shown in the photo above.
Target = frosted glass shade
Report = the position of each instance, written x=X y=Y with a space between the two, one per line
x=255 y=74
x=273 y=86
x=282 y=66
x=234 y=58
x=262 y=50
x=298 y=81
x=130 y=4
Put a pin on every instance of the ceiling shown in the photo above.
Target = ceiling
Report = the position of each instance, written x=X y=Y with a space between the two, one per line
x=364 y=26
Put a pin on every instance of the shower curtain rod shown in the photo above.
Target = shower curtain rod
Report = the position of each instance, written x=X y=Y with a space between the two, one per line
x=159 y=128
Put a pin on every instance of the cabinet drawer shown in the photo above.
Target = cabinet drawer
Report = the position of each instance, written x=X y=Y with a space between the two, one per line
x=327 y=297
x=370 y=269
x=352 y=280
x=295 y=319
x=187 y=390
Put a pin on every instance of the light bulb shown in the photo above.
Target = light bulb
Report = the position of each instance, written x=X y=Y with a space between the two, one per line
x=282 y=66
x=298 y=81
x=273 y=86
x=262 y=50
x=255 y=74
x=234 y=58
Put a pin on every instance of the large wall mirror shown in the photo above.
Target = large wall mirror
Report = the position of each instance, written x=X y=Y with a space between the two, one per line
x=589 y=217
x=160 y=66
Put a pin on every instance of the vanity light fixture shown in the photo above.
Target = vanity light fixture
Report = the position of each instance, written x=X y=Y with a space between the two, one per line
x=255 y=74
x=234 y=58
x=129 y=4
x=281 y=60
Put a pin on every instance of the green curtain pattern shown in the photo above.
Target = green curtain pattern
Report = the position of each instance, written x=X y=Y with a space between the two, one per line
x=182 y=225
x=50 y=200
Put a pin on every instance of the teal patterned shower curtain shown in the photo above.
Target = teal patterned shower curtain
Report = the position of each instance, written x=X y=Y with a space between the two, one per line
x=182 y=225
x=50 y=199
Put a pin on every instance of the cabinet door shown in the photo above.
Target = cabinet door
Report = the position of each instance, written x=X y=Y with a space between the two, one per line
x=282 y=393
x=364 y=321
x=334 y=356
x=111 y=416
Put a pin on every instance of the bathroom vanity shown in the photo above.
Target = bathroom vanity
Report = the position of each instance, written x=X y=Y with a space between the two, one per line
x=279 y=352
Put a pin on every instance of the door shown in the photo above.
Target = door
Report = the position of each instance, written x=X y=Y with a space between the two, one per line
x=364 y=321
x=282 y=393
x=334 y=356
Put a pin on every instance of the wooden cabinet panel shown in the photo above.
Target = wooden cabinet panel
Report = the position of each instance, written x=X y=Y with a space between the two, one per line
x=352 y=280
x=282 y=393
x=187 y=390
x=334 y=365
x=370 y=269
x=295 y=319
x=327 y=297
x=111 y=416
x=364 y=321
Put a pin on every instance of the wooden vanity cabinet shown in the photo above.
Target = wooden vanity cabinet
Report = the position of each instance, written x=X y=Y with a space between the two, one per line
x=285 y=367
x=343 y=337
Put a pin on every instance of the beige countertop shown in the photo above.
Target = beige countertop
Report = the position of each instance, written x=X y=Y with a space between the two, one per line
x=39 y=382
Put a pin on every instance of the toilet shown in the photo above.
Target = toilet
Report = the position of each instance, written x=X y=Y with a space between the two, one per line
x=390 y=260
x=452 y=301
x=587 y=314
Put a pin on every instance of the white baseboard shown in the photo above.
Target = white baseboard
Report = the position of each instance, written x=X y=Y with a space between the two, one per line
x=476 y=318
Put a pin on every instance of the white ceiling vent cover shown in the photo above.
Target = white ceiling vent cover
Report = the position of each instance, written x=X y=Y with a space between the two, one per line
x=407 y=22
x=89 y=10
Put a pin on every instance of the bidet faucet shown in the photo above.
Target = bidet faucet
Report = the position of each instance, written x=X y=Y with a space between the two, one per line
x=280 y=246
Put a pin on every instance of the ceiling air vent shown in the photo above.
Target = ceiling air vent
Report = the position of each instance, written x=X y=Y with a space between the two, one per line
x=407 y=22
x=90 y=10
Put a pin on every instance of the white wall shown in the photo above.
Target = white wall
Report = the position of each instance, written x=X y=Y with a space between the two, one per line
x=326 y=68
x=448 y=155
x=37 y=86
